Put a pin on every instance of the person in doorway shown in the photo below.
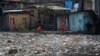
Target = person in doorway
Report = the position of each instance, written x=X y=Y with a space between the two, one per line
x=62 y=26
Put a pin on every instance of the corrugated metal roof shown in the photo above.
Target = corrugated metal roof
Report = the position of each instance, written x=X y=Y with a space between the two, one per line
x=53 y=7
x=7 y=11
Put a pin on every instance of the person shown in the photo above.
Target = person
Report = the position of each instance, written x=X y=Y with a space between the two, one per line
x=39 y=28
x=62 y=26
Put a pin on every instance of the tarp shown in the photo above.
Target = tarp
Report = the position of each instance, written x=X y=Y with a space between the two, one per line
x=76 y=7
x=69 y=4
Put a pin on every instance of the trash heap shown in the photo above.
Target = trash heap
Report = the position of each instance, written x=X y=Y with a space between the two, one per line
x=35 y=44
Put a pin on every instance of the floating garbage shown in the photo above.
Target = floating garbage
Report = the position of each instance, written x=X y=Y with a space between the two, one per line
x=34 y=44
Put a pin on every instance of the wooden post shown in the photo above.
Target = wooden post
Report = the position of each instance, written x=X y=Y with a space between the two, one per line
x=81 y=3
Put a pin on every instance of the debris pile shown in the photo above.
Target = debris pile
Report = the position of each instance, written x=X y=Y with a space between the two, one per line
x=35 y=44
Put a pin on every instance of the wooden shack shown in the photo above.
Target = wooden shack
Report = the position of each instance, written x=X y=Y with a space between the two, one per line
x=16 y=19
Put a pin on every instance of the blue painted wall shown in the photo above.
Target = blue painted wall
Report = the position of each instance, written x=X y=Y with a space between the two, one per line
x=78 y=21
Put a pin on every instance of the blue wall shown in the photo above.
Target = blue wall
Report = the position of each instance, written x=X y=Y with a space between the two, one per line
x=78 y=21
